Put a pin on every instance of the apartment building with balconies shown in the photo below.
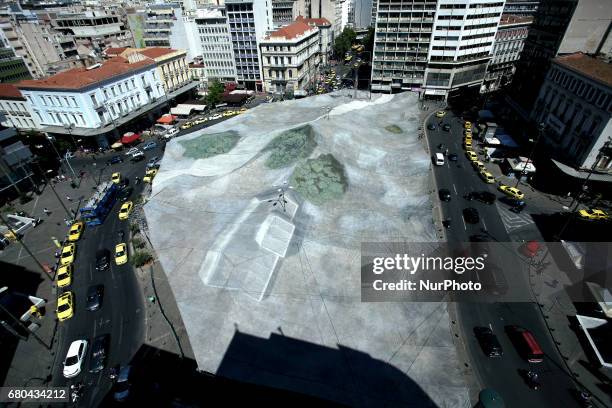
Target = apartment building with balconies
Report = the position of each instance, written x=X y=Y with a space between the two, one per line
x=509 y=42
x=290 y=58
x=283 y=12
x=158 y=23
x=249 y=21
x=16 y=109
x=217 y=45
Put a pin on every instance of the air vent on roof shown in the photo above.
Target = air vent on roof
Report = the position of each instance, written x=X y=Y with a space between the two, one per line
x=94 y=66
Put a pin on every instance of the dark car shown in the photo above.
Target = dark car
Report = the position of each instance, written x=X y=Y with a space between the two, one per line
x=446 y=127
x=452 y=157
x=124 y=182
x=137 y=158
x=485 y=197
x=444 y=194
x=488 y=342
x=153 y=162
x=125 y=194
x=102 y=259
x=115 y=160
x=431 y=126
x=470 y=215
x=95 y=294
x=121 y=389
x=99 y=353
x=149 y=146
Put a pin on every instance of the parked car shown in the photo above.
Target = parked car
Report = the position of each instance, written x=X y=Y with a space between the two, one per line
x=65 y=306
x=149 y=145
x=132 y=151
x=444 y=194
x=470 y=215
x=215 y=116
x=67 y=254
x=99 y=353
x=95 y=294
x=115 y=160
x=171 y=133
x=121 y=388
x=153 y=162
x=76 y=230
x=74 y=358
x=488 y=342
x=64 y=276
x=137 y=156
x=102 y=259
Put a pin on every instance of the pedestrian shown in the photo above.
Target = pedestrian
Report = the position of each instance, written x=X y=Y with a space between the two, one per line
x=46 y=211
x=68 y=198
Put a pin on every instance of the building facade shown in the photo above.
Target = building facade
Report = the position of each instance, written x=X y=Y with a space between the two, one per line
x=249 y=21
x=509 y=42
x=326 y=36
x=283 y=12
x=15 y=159
x=172 y=68
x=290 y=58
x=12 y=67
x=94 y=30
x=15 y=109
x=158 y=24
x=575 y=105
x=217 y=45
x=94 y=101
x=523 y=8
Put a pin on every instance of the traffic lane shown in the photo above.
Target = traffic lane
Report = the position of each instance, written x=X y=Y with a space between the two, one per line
x=504 y=374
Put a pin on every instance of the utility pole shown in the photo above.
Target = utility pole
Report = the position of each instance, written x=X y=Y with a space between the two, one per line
x=18 y=238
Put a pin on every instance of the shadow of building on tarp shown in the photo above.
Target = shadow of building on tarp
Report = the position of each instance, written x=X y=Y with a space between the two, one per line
x=19 y=281
x=344 y=375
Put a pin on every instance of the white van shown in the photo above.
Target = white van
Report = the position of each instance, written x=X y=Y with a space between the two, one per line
x=439 y=159
x=171 y=133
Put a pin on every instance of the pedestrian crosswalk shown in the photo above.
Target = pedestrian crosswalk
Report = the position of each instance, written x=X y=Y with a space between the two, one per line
x=513 y=220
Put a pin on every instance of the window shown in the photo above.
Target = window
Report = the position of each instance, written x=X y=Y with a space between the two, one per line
x=73 y=101
x=93 y=99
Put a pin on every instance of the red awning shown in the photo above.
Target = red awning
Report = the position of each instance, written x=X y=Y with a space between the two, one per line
x=129 y=137
x=166 y=119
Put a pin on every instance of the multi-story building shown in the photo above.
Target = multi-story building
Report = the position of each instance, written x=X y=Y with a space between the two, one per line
x=94 y=30
x=435 y=46
x=12 y=67
x=374 y=13
x=15 y=109
x=575 y=105
x=290 y=58
x=11 y=39
x=217 y=46
x=283 y=12
x=523 y=8
x=249 y=21
x=158 y=24
x=344 y=15
x=559 y=27
x=325 y=36
x=363 y=13
x=93 y=102
x=509 y=42
x=197 y=72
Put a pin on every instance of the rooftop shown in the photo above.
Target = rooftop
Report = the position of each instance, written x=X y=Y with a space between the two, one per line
x=508 y=19
x=112 y=52
x=588 y=66
x=78 y=78
x=8 y=91
x=314 y=21
x=155 y=52
x=291 y=31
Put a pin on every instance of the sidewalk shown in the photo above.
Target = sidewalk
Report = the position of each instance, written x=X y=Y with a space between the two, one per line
x=32 y=363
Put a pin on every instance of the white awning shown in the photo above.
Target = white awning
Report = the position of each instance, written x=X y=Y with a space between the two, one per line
x=186 y=109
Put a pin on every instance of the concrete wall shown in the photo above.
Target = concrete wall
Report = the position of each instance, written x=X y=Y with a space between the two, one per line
x=588 y=28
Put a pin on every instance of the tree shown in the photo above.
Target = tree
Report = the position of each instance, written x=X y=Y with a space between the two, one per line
x=215 y=91
x=344 y=42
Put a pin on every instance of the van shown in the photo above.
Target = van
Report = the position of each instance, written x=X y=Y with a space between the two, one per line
x=525 y=343
x=171 y=133
x=439 y=159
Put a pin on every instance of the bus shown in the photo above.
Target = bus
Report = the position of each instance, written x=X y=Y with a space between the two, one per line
x=94 y=212
x=525 y=343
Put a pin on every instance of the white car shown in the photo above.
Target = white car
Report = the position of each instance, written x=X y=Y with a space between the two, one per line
x=74 y=358
x=132 y=151
x=215 y=117
x=171 y=133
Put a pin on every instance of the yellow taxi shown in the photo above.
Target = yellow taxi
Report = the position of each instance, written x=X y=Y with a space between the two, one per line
x=121 y=256
x=467 y=143
x=467 y=125
x=228 y=113
x=64 y=275
x=186 y=125
x=478 y=165
x=75 y=231
x=487 y=177
x=593 y=214
x=65 y=305
x=471 y=155
x=148 y=177
x=116 y=177
x=468 y=135
x=440 y=114
x=243 y=110
x=67 y=255
x=511 y=192
x=125 y=210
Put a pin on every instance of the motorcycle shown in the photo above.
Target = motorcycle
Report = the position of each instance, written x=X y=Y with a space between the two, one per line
x=533 y=380
x=75 y=392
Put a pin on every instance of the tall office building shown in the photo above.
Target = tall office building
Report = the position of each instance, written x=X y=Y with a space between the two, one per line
x=216 y=41
x=249 y=21
x=559 y=27
x=523 y=8
x=283 y=12
x=437 y=47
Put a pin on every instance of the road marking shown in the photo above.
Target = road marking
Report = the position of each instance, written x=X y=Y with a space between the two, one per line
x=484 y=224
x=464 y=226
x=455 y=188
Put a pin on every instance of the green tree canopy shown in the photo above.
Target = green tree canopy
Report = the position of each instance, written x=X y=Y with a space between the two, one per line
x=344 y=42
x=215 y=91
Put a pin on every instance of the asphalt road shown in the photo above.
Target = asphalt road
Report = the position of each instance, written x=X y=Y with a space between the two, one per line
x=501 y=374
x=122 y=312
